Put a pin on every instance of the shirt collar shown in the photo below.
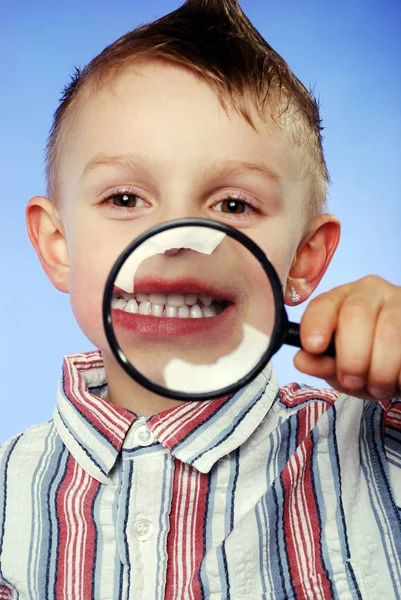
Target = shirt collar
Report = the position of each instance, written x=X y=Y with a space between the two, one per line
x=197 y=433
x=200 y=433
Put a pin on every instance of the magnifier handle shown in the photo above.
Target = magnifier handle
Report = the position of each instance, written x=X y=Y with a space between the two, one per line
x=293 y=339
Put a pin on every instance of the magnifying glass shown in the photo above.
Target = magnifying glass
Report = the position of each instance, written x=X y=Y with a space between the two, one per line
x=194 y=310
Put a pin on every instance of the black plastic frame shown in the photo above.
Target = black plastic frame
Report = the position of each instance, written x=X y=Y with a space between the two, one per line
x=279 y=333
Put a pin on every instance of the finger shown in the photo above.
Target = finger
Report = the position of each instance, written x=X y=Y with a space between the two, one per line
x=319 y=320
x=355 y=336
x=385 y=365
x=317 y=366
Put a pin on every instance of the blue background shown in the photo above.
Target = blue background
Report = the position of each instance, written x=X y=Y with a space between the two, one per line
x=348 y=50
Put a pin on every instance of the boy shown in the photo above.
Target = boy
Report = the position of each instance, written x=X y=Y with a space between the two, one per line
x=271 y=493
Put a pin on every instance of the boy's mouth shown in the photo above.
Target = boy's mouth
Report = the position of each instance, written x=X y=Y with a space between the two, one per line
x=181 y=308
x=175 y=300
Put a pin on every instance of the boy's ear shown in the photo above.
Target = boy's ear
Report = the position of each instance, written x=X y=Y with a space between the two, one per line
x=312 y=258
x=46 y=232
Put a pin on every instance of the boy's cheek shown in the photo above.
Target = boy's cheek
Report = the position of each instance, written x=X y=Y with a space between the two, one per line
x=88 y=314
x=87 y=283
x=94 y=246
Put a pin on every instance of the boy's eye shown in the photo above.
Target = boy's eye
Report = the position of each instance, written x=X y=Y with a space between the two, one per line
x=234 y=206
x=126 y=200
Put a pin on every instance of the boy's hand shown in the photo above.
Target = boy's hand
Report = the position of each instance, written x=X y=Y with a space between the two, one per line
x=366 y=318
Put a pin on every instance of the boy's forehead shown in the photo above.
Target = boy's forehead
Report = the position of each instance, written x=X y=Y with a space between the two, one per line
x=174 y=117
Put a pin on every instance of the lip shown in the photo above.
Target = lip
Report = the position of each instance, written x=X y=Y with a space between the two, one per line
x=164 y=328
x=187 y=285
x=203 y=330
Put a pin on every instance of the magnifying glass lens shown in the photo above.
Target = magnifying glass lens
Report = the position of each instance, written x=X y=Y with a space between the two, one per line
x=192 y=310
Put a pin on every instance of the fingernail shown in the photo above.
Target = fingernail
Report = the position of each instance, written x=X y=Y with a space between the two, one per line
x=353 y=382
x=315 y=340
x=381 y=392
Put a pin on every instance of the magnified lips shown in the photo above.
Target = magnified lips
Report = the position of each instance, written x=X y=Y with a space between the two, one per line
x=215 y=308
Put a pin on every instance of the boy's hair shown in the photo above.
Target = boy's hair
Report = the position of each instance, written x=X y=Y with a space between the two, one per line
x=214 y=39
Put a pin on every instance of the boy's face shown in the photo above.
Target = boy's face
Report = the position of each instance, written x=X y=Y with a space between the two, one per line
x=159 y=134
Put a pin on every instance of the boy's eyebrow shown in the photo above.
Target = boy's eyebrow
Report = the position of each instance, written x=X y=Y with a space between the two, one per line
x=226 y=167
x=123 y=160
x=230 y=167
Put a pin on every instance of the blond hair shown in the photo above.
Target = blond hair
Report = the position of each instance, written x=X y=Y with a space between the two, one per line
x=215 y=39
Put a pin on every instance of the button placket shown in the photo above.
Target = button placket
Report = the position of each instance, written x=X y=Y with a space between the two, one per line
x=145 y=503
x=143 y=529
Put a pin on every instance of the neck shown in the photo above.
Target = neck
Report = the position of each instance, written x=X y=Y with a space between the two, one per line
x=126 y=392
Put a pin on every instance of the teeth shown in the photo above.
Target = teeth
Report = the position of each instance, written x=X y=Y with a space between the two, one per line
x=131 y=306
x=118 y=303
x=169 y=305
x=183 y=312
x=195 y=312
x=157 y=310
x=158 y=299
x=175 y=300
x=145 y=308
x=206 y=300
x=190 y=299
x=171 y=311
x=209 y=311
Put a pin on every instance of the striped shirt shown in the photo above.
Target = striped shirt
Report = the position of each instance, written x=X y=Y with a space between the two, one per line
x=271 y=493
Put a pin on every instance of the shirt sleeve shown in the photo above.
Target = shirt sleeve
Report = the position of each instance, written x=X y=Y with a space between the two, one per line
x=7 y=590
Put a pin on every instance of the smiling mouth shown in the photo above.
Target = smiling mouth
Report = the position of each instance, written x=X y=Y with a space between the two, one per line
x=181 y=308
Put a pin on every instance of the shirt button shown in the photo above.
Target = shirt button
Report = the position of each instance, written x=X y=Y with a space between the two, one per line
x=143 y=530
x=143 y=436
